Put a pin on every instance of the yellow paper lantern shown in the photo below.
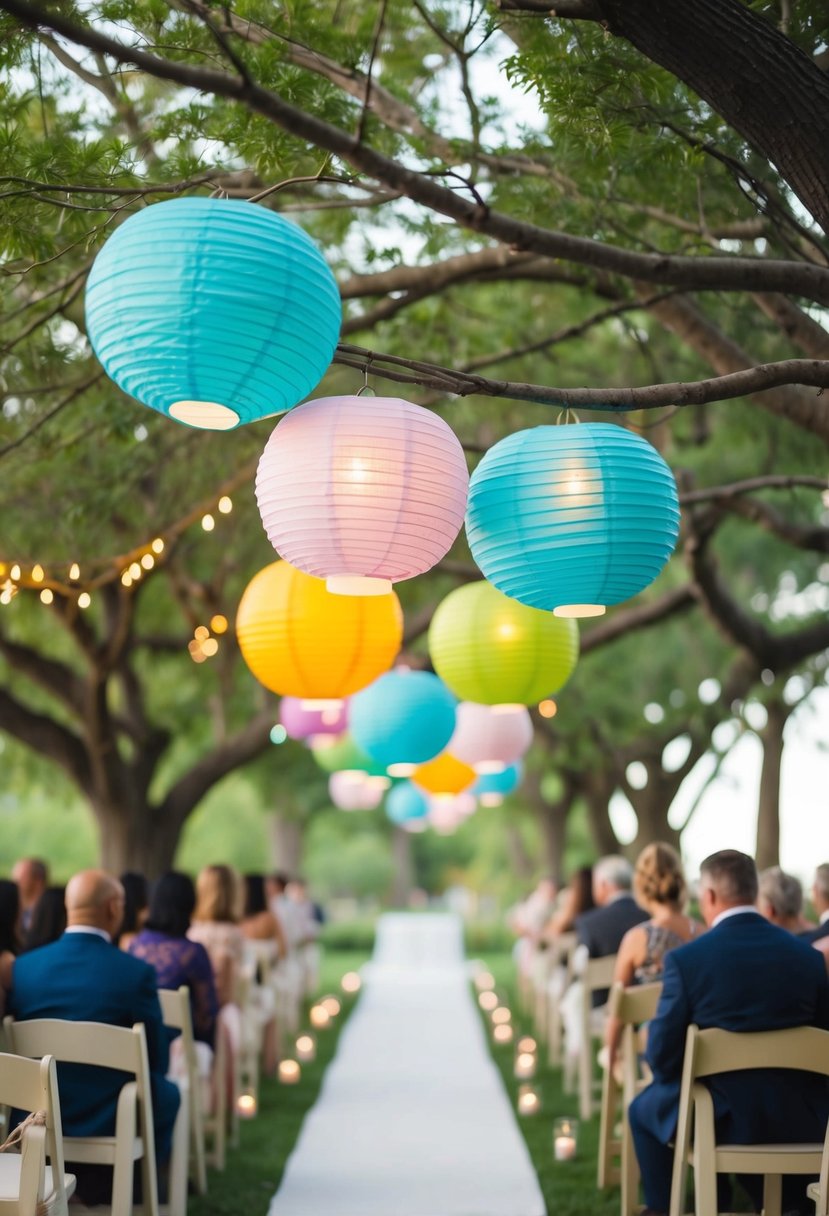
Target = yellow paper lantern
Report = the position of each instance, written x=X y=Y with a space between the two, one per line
x=444 y=775
x=299 y=640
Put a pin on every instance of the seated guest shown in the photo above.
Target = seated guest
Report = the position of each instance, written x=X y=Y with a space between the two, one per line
x=745 y=974
x=820 y=898
x=136 y=907
x=48 y=919
x=575 y=899
x=259 y=922
x=9 y=925
x=527 y=920
x=82 y=977
x=163 y=943
x=602 y=928
x=31 y=875
x=780 y=900
x=659 y=887
x=215 y=925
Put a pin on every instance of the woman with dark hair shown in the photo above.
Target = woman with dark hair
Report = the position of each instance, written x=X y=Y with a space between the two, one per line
x=163 y=943
x=48 y=919
x=259 y=923
x=9 y=929
x=136 y=907
x=575 y=899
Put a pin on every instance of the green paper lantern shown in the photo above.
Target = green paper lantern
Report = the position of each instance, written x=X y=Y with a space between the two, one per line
x=344 y=753
x=494 y=650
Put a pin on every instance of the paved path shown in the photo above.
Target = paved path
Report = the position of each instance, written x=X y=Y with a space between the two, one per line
x=412 y=1119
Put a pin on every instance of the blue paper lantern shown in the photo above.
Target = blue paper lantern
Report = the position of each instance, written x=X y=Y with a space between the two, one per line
x=214 y=312
x=572 y=518
x=405 y=802
x=493 y=788
x=403 y=719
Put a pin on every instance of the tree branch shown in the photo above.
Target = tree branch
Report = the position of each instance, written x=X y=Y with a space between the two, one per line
x=641 y=616
x=696 y=273
x=46 y=738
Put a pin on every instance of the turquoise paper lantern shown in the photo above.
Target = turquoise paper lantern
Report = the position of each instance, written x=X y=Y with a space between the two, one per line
x=403 y=719
x=572 y=518
x=493 y=788
x=214 y=312
x=405 y=802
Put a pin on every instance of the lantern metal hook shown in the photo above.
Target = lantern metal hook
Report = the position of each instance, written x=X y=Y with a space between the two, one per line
x=366 y=390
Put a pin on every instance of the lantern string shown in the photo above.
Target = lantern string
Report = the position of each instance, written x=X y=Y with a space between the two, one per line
x=367 y=390
x=567 y=416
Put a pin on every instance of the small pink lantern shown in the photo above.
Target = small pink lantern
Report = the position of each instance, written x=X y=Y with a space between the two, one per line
x=448 y=811
x=362 y=491
x=302 y=723
x=350 y=790
x=490 y=737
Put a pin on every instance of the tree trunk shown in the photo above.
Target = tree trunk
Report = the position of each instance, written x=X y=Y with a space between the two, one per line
x=597 y=792
x=768 y=810
x=403 y=877
x=758 y=80
x=286 y=843
x=553 y=823
x=651 y=806
x=522 y=864
x=136 y=838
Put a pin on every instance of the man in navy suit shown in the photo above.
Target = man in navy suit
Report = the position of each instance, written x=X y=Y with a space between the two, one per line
x=820 y=898
x=745 y=974
x=83 y=977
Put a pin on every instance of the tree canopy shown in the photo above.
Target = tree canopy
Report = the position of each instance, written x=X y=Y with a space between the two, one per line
x=616 y=207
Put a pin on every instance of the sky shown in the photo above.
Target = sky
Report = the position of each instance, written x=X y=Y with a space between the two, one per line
x=727 y=814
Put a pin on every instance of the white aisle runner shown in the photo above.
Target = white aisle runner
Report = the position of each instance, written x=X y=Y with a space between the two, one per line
x=412 y=1119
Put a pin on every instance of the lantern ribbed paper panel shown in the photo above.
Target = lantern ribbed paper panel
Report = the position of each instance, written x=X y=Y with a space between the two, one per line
x=406 y=802
x=572 y=518
x=493 y=788
x=489 y=648
x=302 y=723
x=362 y=491
x=212 y=311
x=444 y=775
x=353 y=792
x=301 y=641
x=490 y=737
x=404 y=717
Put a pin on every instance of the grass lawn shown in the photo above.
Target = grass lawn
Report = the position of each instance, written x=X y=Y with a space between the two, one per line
x=255 y=1168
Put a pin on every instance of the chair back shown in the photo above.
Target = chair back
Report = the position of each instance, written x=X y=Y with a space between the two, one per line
x=597 y=973
x=31 y=1085
x=103 y=1046
x=712 y=1051
x=176 y=1013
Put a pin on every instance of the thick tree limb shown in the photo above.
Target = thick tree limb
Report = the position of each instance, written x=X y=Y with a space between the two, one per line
x=628 y=620
x=696 y=273
x=812 y=537
x=246 y=744
x=46 y=737
x=55 y=678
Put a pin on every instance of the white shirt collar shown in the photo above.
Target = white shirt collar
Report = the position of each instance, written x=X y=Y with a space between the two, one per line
x=88 y=929
x=738 y=911
x=824 y=916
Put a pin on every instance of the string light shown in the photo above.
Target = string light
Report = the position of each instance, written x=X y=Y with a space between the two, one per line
x=209 y=647
x=15 y=572
x=46 y=596
x=38 y=574
x=148 y=561
x=218 y=623
x=201 y=632
x=225 y=505
x=547 y=708
x=84 y=599
x=74 y=572
x=135 y=571
x=126 y=578
x=157 y=546
x=208 y=522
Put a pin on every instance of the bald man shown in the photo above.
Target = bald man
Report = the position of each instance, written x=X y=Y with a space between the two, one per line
x=83 y=977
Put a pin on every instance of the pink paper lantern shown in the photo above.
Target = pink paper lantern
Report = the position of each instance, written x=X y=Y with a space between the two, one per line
x=353 y=791
x=490 y=737
x=362 y=491
x=302 y=723
x=448 y=811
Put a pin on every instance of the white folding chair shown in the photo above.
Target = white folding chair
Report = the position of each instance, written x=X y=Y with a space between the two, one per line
x=708 y=1052
x=561 y=953
x=28 y=1187
x=632 y=1006
x=819 y=1191
x=595 y=976
x=175 y=1009
x=122 y=1048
